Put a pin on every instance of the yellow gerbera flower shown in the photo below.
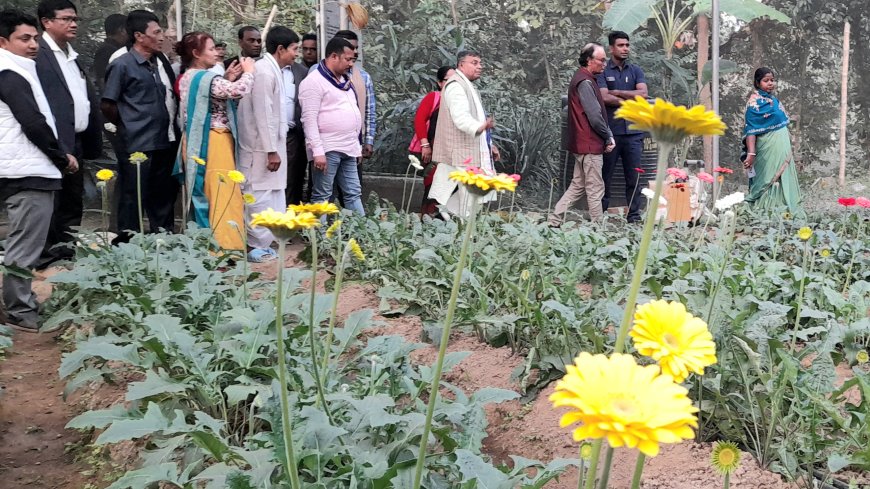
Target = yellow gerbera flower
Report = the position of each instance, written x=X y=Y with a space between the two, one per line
x=825 y=252
x=586 y=451
x=805 y=233
x=198 y=160
x=480 y=183
x=862 y=357
x=678 y=341
x=629 y=404
x=725 y=457
x=318 y=209
x=138 y=158
x=284 y=224
x=249 y=198
x=236 y=176
x=356 y=250
x=668 y=122
x=105 y=175
x=331 y=230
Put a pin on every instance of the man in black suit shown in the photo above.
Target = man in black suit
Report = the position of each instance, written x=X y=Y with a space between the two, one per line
x=250 y=45
x=74 y=104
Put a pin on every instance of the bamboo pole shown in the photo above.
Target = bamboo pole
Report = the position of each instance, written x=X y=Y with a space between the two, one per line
x=844 y=103
x=178 y=29
x=269 y=20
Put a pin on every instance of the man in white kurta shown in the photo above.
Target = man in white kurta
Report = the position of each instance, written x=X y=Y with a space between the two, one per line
x=461 y=137
x=262 y=122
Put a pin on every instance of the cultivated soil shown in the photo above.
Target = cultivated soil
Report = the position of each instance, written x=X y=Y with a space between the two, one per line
x=33 y=413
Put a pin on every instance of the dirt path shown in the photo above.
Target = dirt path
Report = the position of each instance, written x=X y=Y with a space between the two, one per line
x=33 y=415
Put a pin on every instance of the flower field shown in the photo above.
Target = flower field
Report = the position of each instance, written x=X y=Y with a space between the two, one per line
x=602 y=346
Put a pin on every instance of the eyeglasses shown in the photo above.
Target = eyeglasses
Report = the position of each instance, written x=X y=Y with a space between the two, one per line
x=66 y=20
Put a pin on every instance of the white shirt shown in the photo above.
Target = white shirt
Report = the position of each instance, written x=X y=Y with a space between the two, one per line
x=455 y=97
x=75 y=80
x=219 y=69
x=171 y=108
x=289 y=95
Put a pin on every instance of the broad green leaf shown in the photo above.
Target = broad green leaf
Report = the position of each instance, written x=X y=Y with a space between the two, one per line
x=154 y=421
x=628 y=15
x=154 y=384
x=474 y=468
x=838 y=462
x=145 y=477
x=97 y=347
x=99 y=418
x=86 y=376
x=216 y=447
x=488 y=395
x=451 y=359
x=725 y=66
x=745 y=10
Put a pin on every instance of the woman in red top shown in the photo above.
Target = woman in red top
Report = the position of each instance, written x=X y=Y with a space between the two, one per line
x=424 y=133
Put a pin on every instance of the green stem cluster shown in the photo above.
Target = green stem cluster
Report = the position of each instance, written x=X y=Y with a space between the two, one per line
x=139 y=197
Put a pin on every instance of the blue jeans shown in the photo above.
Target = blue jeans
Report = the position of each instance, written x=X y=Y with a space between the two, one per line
x=341 y=169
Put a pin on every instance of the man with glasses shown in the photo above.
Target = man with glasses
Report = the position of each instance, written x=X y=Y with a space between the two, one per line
x=73 y=102
x=621 y=81
x=142 y=106
x=588 y=136
x=462 y=136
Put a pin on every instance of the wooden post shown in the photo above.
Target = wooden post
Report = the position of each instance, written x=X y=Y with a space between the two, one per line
x=844 y=103
x=269 y=21
x=178 y=27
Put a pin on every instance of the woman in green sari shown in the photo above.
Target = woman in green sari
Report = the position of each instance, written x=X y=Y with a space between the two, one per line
x=773 y=181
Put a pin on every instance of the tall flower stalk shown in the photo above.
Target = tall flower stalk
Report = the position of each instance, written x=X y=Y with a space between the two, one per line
x=478 y=184
x=136 y=159
x=284 y=225
x=103 y=177
x=804 y=234
x=668 y=125
x=352 y=247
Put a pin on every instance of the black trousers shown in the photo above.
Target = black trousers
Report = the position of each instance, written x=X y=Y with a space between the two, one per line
x=629 y=149
x=68 y=210
x=159 y=192
x=297 y=167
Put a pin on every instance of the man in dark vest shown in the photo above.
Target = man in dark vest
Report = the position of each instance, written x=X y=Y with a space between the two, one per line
x=588 y=136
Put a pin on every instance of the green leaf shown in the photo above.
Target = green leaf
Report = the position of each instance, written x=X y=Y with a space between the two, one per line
x=154 y=384
x=725 y=66
x=628 y=15
x=100 y=346
x=86 y=376
x=154 y=421
x=745 y=10
x=489 y=395
x=146 y=476
x=474 y=468
x=838 y=462
x=99 y=418
x=216 y=447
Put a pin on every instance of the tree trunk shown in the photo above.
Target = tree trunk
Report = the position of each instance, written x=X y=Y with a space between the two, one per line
x=705 y=97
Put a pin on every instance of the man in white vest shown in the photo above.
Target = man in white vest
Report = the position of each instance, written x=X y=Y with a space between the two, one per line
x=462 y=135
x=31 y=163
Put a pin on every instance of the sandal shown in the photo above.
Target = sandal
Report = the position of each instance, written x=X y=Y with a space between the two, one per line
x=258 y=255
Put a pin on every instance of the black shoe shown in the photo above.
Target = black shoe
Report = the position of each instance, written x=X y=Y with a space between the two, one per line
x=23 y=326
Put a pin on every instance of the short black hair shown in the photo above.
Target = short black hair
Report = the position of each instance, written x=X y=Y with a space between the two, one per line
x=137 y=21
x=309 y=37
x=465 y=53
x=588 y=52
x=442 y=72
x=346 y=34
x=220 y=44
x=245 y=29
x=10 y=19
x=337 y=45
x=47 y=8
x=280 y=36
x=613 y=36
x=114 y=23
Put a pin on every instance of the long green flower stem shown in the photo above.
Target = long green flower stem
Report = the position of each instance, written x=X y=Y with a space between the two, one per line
x=638 y=471
x=139 y=197
x=286 y=420
x=605 y=469
x=581 y=468
x=411 y=193
x=442 y=348
x=339 y=276
x=405 y=187
x=665 y=149
x=852 y=261
x=800 y=302
x=727 y=483
x=104 y=194
x=315 y=370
